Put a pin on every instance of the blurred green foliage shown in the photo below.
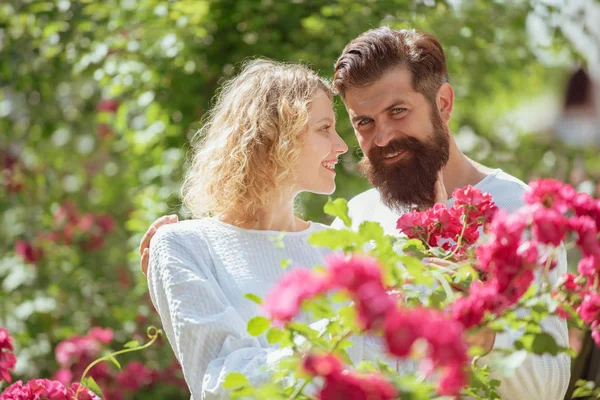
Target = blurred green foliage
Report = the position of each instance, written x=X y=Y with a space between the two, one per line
x=98 y=101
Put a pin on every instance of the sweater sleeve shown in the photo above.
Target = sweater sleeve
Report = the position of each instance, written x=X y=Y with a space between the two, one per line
x=207 y=334
x=543 y=377
x=539 y=377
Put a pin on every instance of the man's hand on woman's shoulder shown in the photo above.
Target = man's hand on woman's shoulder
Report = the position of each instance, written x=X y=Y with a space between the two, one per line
x=145 y=243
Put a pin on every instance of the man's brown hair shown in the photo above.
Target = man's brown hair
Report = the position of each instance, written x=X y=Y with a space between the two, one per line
x=369 y=56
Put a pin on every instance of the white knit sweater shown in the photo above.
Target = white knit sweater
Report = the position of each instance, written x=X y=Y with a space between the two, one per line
x=198 y=275
x=539 y=377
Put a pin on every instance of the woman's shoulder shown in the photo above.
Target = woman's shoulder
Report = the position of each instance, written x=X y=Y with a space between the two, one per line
x=181 y=234
x=201 y=231
x=182 y=246
x=185 y=227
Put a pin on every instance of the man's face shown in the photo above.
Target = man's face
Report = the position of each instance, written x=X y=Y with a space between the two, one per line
x=404 y=140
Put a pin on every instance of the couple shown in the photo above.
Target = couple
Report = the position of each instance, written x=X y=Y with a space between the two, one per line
x=270 y=136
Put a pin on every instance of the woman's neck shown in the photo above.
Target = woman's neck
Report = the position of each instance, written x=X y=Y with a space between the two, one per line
x=277 y=216
x=269 y=222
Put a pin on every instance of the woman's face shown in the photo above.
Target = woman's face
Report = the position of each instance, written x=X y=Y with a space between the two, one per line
x=321 y=149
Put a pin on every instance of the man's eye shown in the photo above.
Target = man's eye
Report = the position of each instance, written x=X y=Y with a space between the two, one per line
x=398 y=110
x=364 y=121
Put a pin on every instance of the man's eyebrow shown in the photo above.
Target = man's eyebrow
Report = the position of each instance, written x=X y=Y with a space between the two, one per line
x=358 y=118
x=395 y=104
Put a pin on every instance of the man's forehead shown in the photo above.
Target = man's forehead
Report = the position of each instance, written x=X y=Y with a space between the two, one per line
x=394 y=86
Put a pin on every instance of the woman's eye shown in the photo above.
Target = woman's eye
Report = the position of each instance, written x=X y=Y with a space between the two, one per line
x=326 y=128
x=398 y=110
x=364 y=121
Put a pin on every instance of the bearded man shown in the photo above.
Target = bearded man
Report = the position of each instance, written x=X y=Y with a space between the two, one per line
x=395 y=86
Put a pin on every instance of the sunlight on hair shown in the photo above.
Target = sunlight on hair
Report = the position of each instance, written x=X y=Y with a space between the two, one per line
x=247 y=149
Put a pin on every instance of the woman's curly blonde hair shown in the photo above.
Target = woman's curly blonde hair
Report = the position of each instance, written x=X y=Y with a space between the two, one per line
x=251 y=141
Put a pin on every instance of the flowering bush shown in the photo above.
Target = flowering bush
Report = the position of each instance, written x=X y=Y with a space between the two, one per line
x=7 y=357
x=42 y=273
x=86 y=230
x=97 y=100
x=382 y=285
x=35 y=388
x=75 y=354
x=81 y=353
x=46 y=389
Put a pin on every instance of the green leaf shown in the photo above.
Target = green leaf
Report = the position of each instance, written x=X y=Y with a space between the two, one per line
x=575 y=319
x=538 y=343
x=416 y=270
x=465 y=273
x=258 y=325
x=545 y=343
x=335 y=327
x=481 y=386
x=336 y=239
x=304 y=330
x=121 y=119
x=235 y=380
x=533 y=327
x=370 y=230
x=343 y=356
x=348 y=317
x=340 y=297
x=254 y=298
x=345 y=344
x=114 y=361
x=413 y=387
x=413 y=245
x=366 y=366
x=338 y=208
x=269 y=391
x=131 y=344
x=319 y=307
x=476 y=351
x=384 y=367
x=287 y=340
x=584 y=389
x=582 y=392
x=274 y=335
x=444 y=283
x=508 y=364
x=529 y=293
x=435 y=300
x=438 y=252
x=241 y=392
x=91 y=384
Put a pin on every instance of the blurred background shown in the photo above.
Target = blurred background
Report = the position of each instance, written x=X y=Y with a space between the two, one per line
x=98 y=100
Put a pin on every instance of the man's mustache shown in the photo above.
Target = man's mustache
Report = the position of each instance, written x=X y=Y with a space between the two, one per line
x=394 y=146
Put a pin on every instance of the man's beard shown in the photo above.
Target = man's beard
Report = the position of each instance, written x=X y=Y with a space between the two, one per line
x=409 y=182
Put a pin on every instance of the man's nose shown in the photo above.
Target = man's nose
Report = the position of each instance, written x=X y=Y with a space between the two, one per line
x=384 y=135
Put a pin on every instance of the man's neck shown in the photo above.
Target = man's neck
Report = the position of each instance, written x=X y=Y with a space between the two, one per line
x=461 y=171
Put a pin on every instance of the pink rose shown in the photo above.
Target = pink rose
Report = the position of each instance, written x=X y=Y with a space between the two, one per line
x=550 y=193
x=283 y=301
x=589 y=308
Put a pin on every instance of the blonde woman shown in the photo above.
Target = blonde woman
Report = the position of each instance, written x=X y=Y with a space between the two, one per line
x=270 y=136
